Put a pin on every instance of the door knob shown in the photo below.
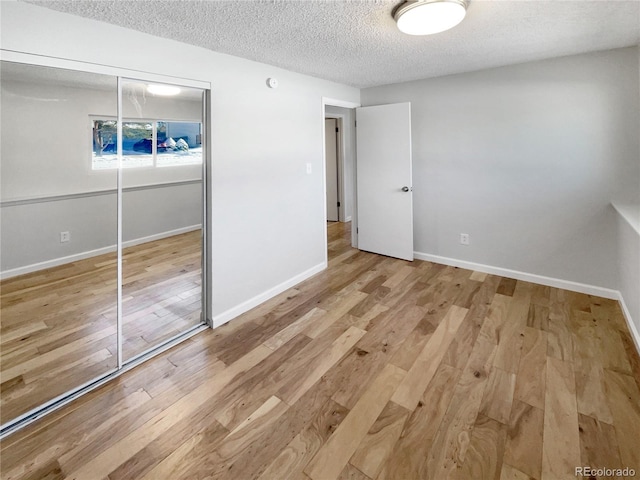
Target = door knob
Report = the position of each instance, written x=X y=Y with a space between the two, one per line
x=405 y=189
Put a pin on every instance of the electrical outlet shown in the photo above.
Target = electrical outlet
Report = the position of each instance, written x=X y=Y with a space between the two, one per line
x=464 y=239
x=65 y=237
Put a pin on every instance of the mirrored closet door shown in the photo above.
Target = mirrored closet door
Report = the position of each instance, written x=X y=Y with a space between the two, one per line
x=101 y=228
x=161 y=213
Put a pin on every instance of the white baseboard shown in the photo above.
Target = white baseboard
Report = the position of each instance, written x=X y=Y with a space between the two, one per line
x=348 y=219
x=160 y=236
x=14 y=272
x=632 y=326
x=527 y=277
x=234 y=312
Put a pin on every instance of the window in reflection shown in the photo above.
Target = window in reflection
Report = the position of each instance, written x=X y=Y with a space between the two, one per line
x=175 y=144
x=179 y=143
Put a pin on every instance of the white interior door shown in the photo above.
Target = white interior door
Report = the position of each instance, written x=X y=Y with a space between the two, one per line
x=331 y=156
x=385 y=199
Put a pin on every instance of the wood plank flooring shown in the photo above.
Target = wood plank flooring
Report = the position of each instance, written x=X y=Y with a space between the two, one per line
x=376 y=368
x=58 y=326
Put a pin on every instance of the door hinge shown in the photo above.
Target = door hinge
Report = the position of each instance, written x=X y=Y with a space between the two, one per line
x=338 y=203
x=337 y=129
x=357 y=230
x=355 y=124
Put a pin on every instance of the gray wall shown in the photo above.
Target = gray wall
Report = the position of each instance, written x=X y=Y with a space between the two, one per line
x=526 y=159
x=349 y=138
x=267 y=214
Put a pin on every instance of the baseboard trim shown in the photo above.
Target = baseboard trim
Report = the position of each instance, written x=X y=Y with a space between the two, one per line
x=527 y=277
x=632 y=326
x=92 y=253
x=238 y=310
x=160 y=236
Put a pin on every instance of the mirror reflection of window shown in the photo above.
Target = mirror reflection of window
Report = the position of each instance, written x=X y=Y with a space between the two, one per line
x=179 y=143
x=176 y=143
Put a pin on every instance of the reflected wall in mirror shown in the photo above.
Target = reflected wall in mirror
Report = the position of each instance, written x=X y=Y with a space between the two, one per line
x=162 y=214
x=58 y=224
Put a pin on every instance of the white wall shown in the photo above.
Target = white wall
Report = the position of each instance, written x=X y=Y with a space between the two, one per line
x=629 y=249
x=349 y=139
x=526 y=159
x=267 y=213
x=628 y=229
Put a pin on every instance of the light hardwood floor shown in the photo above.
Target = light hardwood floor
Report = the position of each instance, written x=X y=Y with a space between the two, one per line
x=373 y=369
x=58 y=326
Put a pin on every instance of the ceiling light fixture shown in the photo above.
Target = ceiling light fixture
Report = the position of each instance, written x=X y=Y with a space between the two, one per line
x=425 y=17
x=164 y=90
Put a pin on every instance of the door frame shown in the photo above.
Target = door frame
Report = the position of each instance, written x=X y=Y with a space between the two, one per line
x=340 y=158
x=333 y=102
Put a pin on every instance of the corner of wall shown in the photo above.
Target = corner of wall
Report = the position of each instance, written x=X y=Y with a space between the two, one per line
x=238 y=310
x=633 y=330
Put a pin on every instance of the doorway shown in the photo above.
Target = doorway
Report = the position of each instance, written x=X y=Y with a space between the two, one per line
x=333 y=162
x=339 y=168
x=380 y=188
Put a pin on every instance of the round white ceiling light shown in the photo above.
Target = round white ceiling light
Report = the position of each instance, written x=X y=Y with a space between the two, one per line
x=426 y=17
x=164 y=90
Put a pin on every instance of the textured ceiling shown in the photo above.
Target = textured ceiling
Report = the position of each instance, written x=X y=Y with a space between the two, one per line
x=356 y=42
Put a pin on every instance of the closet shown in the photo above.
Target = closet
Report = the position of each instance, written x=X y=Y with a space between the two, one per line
x=103 y=227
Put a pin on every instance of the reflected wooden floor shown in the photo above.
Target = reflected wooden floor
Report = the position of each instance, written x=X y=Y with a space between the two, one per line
x=373 y=369
x=58 y=325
